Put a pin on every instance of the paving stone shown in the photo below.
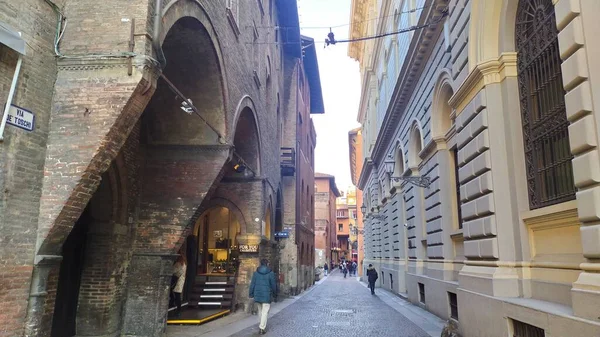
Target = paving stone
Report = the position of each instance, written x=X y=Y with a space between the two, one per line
x=338 y=307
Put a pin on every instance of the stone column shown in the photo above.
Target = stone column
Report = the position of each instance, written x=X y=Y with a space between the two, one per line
x=148 y=294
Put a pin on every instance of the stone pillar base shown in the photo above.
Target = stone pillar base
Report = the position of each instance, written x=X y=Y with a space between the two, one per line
x=586 y=296
x=492 y=281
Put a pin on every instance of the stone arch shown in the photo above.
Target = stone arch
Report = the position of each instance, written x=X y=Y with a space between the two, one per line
x=224 y=202
x=441 y=114
x=492 y=30
x=246 y=134
x=415 y=144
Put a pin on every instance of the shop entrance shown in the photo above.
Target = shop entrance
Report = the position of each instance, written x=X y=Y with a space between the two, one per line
x=213 y=260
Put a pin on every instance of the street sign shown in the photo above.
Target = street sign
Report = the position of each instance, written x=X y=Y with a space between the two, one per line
x=282 y=234
x=248 y=248
x=20 y=118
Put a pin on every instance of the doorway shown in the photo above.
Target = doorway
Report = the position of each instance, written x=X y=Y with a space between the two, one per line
x=217 y=251
x=71 y=269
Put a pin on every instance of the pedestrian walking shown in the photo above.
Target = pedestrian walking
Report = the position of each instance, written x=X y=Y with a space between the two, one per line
x=262 y=289
x=344 y=269
x=372 y=277
x=179 y=271
x=354 y=266
x=325 y=268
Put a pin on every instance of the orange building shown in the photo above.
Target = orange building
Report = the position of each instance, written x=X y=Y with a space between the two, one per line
x=355 y=154
x=326 y=245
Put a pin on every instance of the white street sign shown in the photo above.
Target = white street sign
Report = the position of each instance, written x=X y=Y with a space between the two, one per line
x=20 y=118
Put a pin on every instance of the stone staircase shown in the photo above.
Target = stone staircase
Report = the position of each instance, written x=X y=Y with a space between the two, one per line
x=212 y=291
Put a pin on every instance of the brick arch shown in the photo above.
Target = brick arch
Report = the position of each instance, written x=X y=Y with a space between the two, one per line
x=224 y=202
x=246 y=113
x=175 y=10
x=188 y=36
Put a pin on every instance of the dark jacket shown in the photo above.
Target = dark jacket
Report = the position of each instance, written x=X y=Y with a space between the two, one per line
x=263 y=286
x=372 y=274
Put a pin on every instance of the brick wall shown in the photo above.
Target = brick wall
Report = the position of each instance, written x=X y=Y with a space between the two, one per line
x=22 y=153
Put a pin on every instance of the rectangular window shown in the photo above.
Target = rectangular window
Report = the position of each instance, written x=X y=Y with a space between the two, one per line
x=422 y=293
x=521 y=329
x=340 y=227
x=382 y=278
x=456 y=179
x=453 y=305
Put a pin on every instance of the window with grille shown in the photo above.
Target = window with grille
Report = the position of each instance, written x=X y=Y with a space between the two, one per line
x=545 y=126
x=422 y=293
x=521 y=329
x=456 y=178
x=453 y=301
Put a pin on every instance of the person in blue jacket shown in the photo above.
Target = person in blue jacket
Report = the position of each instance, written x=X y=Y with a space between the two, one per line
x=262 y=289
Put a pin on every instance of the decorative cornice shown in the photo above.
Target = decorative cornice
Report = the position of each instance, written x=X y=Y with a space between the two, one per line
x=485 y=73
x=365 y=173
x=419 y=50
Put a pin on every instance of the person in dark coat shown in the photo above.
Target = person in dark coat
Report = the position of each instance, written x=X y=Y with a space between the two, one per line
x=262 y=289
x=372 y=277
x=325 y=268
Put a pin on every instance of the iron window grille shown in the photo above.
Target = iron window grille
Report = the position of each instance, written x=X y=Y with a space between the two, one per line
x=521 y=329
x=422 y=293
x=545 y=125
x=453 y=305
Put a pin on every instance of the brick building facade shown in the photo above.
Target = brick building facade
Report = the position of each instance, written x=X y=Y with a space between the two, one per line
x=326 y=245
x=302 y=98
x=119 y=172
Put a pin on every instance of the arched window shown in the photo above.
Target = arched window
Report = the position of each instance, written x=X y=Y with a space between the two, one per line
x=398 y=162
x=415 y=146
x=545 y=126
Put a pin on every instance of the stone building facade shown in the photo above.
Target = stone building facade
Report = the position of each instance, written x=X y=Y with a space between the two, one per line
x=303 y=97
x=120 y=172
x=495 y=103
x=355 y=156
x=326 y=246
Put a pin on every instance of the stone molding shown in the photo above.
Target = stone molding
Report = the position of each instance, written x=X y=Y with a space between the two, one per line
x=485 y=73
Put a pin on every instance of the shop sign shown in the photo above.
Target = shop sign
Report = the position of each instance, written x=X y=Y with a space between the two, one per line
x=20 y=118
x=284 y=234
x=248 y=248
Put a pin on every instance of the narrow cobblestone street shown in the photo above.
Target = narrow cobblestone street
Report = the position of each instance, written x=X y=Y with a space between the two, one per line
x=339 y=307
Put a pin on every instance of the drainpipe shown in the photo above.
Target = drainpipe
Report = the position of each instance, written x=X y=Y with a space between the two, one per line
x=156 y=36
x=11 y=94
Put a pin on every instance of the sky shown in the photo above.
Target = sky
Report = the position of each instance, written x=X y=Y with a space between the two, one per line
x=340 y=83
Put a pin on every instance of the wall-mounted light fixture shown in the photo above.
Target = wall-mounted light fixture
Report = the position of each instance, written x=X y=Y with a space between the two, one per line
x=376 y=216
x=415 y=180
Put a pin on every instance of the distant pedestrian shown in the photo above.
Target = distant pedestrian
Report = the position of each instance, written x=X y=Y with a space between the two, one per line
x=344 y=269
x=262 y=289
x=179 y=271
x=325 y=268
x=354 y=266
x=372 y=276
